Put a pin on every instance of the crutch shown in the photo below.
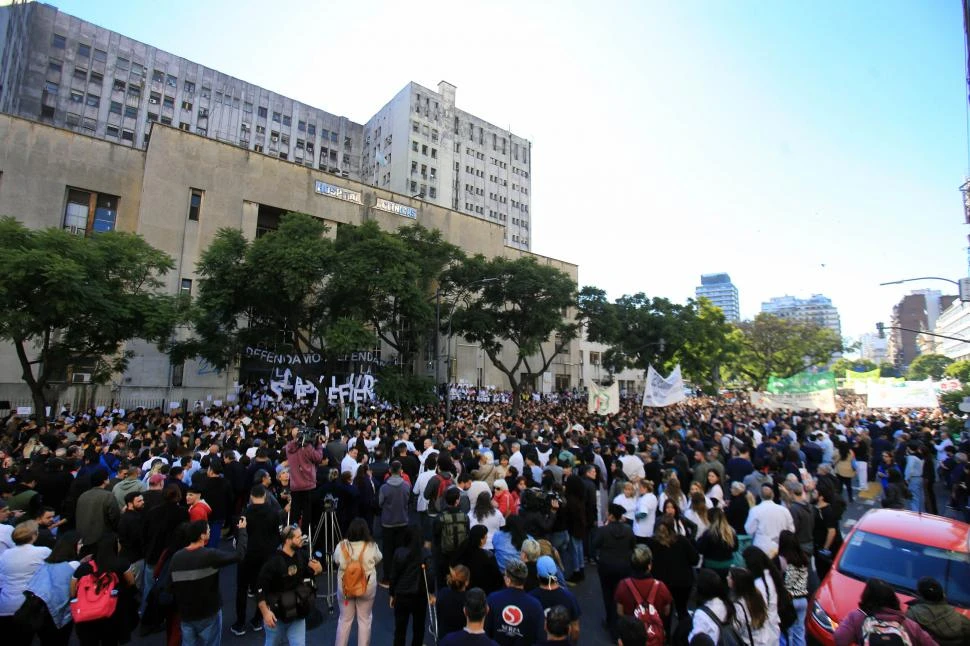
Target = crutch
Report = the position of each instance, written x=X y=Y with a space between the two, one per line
x=432 y=611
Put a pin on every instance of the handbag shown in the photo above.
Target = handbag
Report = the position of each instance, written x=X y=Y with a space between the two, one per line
x=296 y=603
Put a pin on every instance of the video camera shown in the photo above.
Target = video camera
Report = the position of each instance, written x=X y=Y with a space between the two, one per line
x=329 y=503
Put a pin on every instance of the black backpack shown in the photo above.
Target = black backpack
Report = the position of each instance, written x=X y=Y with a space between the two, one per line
x=454 y=530
x=727 y=633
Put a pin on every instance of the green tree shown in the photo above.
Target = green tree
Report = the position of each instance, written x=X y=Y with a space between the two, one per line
x=928 y=365
x=66 y=299
x=840 y=366
x=953 y=398
x=770 y=345
x=272 y=289
x=959 y=370
x=887 y=369
x=710 y=344
x=518 y=303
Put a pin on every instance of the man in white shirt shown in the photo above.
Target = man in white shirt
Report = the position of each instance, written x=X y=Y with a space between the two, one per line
x=516 y=459
x=632 y=465
x=766 y=521
x=349 y=463
x=6 y=531
x=428 y=450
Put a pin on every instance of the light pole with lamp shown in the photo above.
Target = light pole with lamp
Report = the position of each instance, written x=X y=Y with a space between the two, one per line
x=963 y=285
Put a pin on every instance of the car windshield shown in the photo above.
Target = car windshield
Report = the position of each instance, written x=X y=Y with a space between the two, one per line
x=901 y=564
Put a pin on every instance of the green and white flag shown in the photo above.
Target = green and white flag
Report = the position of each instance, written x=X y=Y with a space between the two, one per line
x=803 y=382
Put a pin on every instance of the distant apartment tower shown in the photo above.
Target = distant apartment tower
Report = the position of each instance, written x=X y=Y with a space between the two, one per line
x=817 y=309
x=73 y=74
x=917 y=311
x=421 y=144
x=719 y=289
x=872 y=348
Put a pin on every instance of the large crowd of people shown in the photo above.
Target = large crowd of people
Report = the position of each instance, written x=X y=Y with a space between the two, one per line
x=698 y=520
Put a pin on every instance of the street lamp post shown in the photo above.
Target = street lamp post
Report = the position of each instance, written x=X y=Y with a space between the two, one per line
x=963 y=285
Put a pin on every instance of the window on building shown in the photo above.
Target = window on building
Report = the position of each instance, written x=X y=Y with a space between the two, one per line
x=178 y=374
x=258 y=148
x=151 y=117
x=287 y=121
x=261 y=112
x=168 y=102
x=131 y=112
x=81 y=73
x=166 y=121
x=311 y=129
x=122 y=63
x=77 y=97
x=414 y=146
x=54 y=66
x=134 y=91
x=90 y=212
x=171 y=81
x=260 y=130
x=127 y=135
x=285 y=140
x=185 y=126
x=154 y=98
x=301 y=126
x=83 y=51
x=187 y=105
x=424 y=149
x=434 y=153
x=47 y=112
x=277 y=117
x=112 y=131
x=248 y=107
x=195 y=203
x=58 y=41
x=433 y=192
x=158 y=76
x=138 y=69
x=97 y=78
x=188 y=87
x=51 y=88
x=100 y=55
x=118 y=86
x=333 y=137
x=185 y=287
x=205 y=92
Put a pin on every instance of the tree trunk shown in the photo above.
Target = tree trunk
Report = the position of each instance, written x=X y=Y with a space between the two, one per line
x=40 y=403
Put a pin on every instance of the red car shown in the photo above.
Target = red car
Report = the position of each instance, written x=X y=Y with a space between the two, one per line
x=898 y=547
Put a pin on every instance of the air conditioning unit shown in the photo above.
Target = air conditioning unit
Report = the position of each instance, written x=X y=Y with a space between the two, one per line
x=153 y=101
x=275 y=139
x=81 y=378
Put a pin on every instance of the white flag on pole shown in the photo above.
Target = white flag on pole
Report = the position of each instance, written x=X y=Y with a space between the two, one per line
x=604 y=400
x=660 y=391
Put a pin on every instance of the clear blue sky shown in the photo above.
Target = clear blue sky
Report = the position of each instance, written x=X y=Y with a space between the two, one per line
x=803 y=147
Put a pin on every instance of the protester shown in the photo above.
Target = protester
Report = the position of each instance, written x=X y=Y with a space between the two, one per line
x=450 y=600
x=17 y=567
x=795 y=565
x=476 y=611
x=878 y=601
x=613 y=545
x=409 y=590
x=941 y=620
x=641 y=584
x=285 y=595
x=480 y=562
x=115 y=629
x=766 y=522
x=522 y=623
x=674 y=558
x=357 y=546
x=715 y=610
x=51 y=583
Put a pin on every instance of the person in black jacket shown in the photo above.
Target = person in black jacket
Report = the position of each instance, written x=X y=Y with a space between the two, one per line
x=674 y=558
x=218 y=493
x=409 y=587
x=479 y=561
x=613 y=543
x=262 y=524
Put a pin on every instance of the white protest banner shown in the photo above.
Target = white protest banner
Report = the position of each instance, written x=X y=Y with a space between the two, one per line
x=604 y=400
x=908 y=394
x=217 y=402
x=24 y=410
x=820 y=400
x=174 y=405
x=660 y=391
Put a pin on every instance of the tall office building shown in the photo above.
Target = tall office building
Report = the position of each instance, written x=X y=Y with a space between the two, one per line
x=719 y=289
x=818 y=309
x=70 y=73
x=873 y=348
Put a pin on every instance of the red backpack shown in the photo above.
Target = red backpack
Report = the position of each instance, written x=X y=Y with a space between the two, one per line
x=97 y=596
x=647 y=613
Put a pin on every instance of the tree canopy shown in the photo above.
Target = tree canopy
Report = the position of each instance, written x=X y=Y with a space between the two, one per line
x=67 y=300
x=928 y=365
x=519 y=303
x=770 y=345
x=959 y=370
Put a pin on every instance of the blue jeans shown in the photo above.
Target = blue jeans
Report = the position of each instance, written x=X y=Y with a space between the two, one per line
x=295 y=632
x=203 y=632
x=215 y=533
x=796 y=634
x=916 y=488
x=575 y=554
x=560 y=541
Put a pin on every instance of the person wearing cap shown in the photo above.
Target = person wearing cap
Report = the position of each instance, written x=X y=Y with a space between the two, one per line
x=517 y=617
x=476 y=610
x=941 y=620
x=550 y=594
x=97 y=510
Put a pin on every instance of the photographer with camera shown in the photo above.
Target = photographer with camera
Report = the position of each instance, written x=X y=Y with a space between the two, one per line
x=303 y=454
x=286 y=590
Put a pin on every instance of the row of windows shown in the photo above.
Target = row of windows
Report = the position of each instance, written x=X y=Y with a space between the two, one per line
x=471 y=189
x=417 y=128
x=519 y=171
x=469 y=151
x=501 y=199
x=520 y=222
x=498 y=180
x=520 y=240
x=424 y=149
x=423 y=189
x=81 y=73
x=472 y=171
x=498 y=215
x=424 y=170
x=520 y=188
x=474 y=208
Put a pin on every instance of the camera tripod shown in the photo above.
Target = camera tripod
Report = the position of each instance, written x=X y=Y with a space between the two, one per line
x=328 y=530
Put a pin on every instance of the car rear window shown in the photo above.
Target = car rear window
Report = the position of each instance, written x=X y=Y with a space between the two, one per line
x=901 y=564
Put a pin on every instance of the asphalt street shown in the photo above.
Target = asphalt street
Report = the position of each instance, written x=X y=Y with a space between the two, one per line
x=588 y=594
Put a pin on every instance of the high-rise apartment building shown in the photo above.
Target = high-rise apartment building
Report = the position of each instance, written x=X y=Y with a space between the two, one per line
x=873 y=348
x=719 y=289
x=421 y=144
x=818 y=309
x=70 y=73
x=916 y=311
